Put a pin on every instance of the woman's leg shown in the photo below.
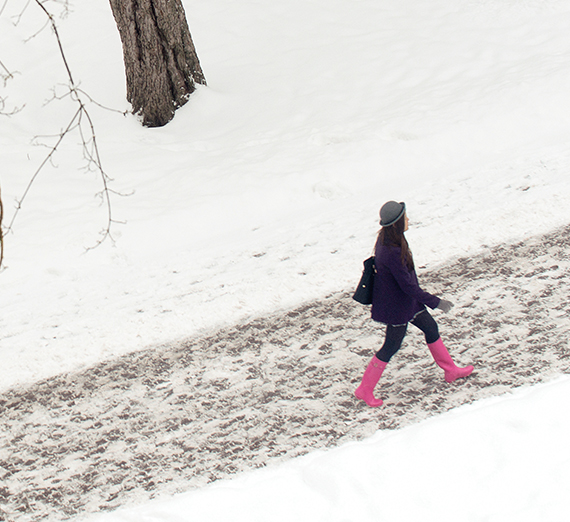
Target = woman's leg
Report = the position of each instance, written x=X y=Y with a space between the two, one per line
x=393 y=341
x=394 y=337
x=426 y=323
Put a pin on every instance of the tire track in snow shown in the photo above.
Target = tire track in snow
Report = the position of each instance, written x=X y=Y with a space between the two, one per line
x=172 y=418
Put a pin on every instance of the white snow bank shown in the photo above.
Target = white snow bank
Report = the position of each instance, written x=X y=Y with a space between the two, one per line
x=500 y=459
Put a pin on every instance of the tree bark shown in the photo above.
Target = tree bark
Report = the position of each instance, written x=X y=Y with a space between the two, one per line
x=161 y=63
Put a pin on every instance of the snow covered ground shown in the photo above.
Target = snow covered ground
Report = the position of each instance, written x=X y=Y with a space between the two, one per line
x=263 y=193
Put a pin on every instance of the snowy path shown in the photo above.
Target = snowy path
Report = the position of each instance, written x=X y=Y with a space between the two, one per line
x=165 y=420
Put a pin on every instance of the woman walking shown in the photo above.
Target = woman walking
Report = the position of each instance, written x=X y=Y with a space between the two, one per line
x=398 y=300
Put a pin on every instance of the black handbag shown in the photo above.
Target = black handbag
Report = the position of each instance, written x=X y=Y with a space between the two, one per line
x=363 y=293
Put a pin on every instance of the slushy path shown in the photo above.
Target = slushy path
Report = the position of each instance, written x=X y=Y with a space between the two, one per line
x=177 y=417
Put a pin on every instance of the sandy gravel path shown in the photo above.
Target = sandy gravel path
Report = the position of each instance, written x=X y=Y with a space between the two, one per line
x=176 y=417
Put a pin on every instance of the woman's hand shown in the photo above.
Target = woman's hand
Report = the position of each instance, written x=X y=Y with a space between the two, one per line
x=444 y=305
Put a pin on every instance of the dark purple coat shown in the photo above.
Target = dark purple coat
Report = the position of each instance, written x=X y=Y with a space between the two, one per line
x=397 y=296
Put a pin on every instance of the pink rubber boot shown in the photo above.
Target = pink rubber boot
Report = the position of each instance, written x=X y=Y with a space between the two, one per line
x=444 y=361
x=365 y=391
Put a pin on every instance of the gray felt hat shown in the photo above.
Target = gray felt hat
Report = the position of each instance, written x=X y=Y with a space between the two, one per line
x=391 y=212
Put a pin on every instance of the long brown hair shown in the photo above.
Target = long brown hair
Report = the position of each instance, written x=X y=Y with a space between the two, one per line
x=394 y=236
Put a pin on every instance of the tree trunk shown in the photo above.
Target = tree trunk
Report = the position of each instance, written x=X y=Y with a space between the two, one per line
x=161 y=64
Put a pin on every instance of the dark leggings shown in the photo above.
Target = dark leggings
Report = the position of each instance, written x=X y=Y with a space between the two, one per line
x=395 y=334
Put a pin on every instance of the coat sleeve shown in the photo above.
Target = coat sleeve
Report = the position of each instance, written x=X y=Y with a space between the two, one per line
x=408 y=282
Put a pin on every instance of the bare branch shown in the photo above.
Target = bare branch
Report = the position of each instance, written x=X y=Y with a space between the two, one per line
x=92 y=155
x=3 y=7
x=124 y=113
x=18 y=17
x=8 y=73
x=43 y=163
x=54 y=27
x=3 y=111
x=39 y=31
x=81 y=119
